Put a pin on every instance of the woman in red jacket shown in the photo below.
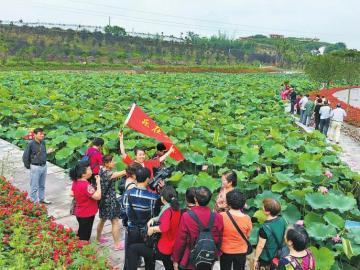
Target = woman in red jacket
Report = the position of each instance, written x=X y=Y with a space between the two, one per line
x=168 y=228
x=140 y=157
x=86 y=197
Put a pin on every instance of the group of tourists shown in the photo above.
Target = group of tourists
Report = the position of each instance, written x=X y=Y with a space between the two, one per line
x=327 y=120
x=156 y=227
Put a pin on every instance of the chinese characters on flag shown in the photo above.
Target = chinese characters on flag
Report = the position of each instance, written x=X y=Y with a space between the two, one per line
x=141 y=122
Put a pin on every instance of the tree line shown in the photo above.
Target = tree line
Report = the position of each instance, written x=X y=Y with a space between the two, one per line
x=115 y=46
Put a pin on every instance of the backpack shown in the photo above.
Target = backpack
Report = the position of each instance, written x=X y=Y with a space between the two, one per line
x=86 y=157
x=203 y=253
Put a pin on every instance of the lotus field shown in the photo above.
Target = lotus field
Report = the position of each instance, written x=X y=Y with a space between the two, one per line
x=225 y=121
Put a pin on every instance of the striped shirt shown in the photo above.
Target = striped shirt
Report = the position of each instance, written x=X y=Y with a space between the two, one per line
x=140 y=206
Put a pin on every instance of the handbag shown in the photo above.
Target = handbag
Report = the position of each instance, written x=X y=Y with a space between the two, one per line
x=249 y=246
x=282 y=251
x=72 y=207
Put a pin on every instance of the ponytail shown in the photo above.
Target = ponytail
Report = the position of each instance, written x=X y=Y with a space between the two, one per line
x=170 y=196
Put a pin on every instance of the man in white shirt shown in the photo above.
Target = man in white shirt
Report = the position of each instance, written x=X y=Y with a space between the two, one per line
x=324 y=118
x=337 y=118
x=302 y=104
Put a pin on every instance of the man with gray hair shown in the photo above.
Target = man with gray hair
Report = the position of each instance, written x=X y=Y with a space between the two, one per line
x=337 y=118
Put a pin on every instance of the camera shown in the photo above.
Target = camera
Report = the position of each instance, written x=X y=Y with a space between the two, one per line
x=162 y=174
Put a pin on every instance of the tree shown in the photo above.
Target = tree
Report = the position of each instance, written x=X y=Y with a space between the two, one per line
x=335 y=47
x=323 y=68
x=115 y=30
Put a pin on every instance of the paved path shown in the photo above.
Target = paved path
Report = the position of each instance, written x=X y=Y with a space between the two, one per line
x=354 y=96
x=350 y=153
x=58 y=187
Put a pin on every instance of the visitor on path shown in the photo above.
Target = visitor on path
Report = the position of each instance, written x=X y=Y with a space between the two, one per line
x=140 y=206
x=190 y=198
x=160 y=151
x=324 y=118
x=95 y=157
x=34 y=158
x=86 y=198
x=299 y=258
x=337 y=118
x=124 y=185
x=109 y=207
x=234 y=247
x=298 y=98
x=302 y=104
x=309 y=110
x=228 y=183
x=293 y=96
x=192 y=224
x=140 y=157
x=167 y=226
x=318 y=105
x=271 y=235
x=130 y=181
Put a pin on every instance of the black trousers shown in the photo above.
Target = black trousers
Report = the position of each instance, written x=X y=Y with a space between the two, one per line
x=233 y=261
x=137 y=250
x=132 y=236
x=292 y=106
x=85 y=227
x=317 y=121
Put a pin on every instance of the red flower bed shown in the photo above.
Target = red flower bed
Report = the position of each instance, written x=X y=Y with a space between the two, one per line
x=29 y=237
x=353 y=114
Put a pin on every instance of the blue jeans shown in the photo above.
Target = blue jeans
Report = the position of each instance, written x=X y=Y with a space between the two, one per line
x=324 y=125
x=302 y=115
x=37 y=182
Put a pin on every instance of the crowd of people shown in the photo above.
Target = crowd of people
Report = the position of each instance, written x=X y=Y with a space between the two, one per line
x=325 y=119
x=157 y=227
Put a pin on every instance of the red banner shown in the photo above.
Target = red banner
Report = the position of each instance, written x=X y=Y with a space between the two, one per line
x=141 y=122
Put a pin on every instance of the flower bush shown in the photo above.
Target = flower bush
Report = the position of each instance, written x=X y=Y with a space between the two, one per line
x=31 y=240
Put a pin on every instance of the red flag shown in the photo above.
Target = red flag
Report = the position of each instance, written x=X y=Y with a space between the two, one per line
x=141 y=122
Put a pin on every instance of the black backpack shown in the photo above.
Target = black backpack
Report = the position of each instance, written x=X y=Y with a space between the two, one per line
x=203 y=253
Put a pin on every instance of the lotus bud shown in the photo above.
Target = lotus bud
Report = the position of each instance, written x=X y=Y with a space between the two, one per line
x=323 y=190
x=328 y=174
x=336 y=238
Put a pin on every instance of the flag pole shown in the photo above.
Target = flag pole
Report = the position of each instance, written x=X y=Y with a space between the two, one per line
x=129 y=115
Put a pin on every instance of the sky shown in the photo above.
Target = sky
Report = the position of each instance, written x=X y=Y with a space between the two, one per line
x=329 y=20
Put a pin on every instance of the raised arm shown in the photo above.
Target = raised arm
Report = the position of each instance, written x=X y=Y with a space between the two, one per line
x=116 y=175
x=122 y=147
x=163 y=157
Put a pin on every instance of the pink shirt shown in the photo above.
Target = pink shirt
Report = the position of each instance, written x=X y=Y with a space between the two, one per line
x=95 y=158
x=85 y=206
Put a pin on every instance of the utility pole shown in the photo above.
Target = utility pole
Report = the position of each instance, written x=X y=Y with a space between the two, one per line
x=109 y=20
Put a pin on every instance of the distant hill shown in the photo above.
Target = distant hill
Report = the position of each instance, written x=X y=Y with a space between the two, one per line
x=113 y=46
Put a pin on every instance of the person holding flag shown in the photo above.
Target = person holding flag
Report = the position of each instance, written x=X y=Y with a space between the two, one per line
x=140 y=156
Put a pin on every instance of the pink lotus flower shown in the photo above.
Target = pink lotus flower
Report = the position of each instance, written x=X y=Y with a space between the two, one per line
x=300 y=222
x=336 y=238
x=323 y=190
x=328 y=174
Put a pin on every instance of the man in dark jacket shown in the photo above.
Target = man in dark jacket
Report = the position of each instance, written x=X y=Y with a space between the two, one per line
x=34 y=158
